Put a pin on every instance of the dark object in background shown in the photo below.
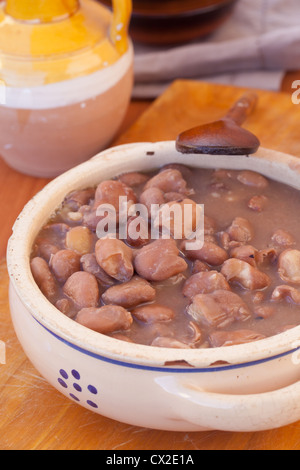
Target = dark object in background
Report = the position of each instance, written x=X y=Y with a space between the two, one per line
x=162 y=22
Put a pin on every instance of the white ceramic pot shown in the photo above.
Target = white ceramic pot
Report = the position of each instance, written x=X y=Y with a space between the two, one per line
x=66 y=78
x=248 y=387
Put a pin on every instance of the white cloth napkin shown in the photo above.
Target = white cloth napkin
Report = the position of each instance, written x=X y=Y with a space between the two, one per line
x=254 y=48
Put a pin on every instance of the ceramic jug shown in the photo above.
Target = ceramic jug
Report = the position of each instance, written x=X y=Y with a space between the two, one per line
x=66 y=77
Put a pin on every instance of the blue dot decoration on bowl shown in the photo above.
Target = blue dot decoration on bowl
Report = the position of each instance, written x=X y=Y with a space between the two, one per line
x=66 y=381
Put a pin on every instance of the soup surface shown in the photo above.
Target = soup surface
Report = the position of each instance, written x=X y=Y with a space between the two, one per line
x=241 y=285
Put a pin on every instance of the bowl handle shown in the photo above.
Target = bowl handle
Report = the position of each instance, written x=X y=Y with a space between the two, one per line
x=236 y=413
x=120 y=23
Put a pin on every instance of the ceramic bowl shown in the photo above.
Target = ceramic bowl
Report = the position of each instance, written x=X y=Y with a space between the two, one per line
x=249 y=387
x=174 y=21
x=66 y=78
x=48 y=129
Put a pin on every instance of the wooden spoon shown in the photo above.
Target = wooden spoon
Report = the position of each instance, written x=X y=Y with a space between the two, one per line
x=223 y=137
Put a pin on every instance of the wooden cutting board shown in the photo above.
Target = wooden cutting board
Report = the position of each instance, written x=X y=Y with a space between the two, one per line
x=34 y=416
x=187 y=104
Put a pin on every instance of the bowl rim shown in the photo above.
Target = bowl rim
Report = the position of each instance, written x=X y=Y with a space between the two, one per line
x=113 y=161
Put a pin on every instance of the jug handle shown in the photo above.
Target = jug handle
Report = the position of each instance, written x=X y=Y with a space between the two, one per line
x=122 y=10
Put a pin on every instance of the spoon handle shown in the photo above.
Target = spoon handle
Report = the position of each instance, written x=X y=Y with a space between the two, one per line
x=242 y=108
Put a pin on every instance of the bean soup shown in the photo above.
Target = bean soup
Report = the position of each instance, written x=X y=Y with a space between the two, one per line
x=241 y=285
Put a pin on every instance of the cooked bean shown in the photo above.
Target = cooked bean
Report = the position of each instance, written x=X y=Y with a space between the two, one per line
x=155 y=329
x=210 y=225
x=105 y=320
x=224 y=240
x=79 y=198
x=194 y=332
x=251 y=178
x=150 y=198
x=282 y=237
x=43 y=277
x=257 y=203
x=266 y=256
x=204 y=283
x=240 y=230
x=245 y=253
x=57 y=228
x=138 y=232
x=199 y=267
x=90 y=218
x=210 y=238
x=159 y=261
x=285 y=292
x=231 y=338
x=64 y=305
x=258 y=297
x=179 y=219
x=171 y=281
x=115 y=258
x=226 y=243
x=90 y=265
x=65 y=263
x=240 y=272
x=75 y=217
x=83 y=289
x=184 y=170
x=130 y=294
x=133 y=179
x=153 y=313
x=210 y=253
x=45 y=250
x=289 y=266
x=80 y=240
x=168 y=180
x=169 y=197
x=110 y=192
x=219 y=308
x=165 y=342
x=264 y=311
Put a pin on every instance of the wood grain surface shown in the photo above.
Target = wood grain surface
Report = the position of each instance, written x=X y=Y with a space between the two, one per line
x=33 y=415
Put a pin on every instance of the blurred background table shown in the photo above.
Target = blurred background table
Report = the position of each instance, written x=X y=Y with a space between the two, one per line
x=34 y=416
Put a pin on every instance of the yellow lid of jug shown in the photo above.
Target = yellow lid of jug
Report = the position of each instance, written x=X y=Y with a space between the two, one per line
x=48 y=41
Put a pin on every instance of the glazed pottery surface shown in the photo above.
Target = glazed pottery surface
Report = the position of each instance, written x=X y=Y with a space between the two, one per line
x=173 y=22
x=66 y=77
x=249 y=387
